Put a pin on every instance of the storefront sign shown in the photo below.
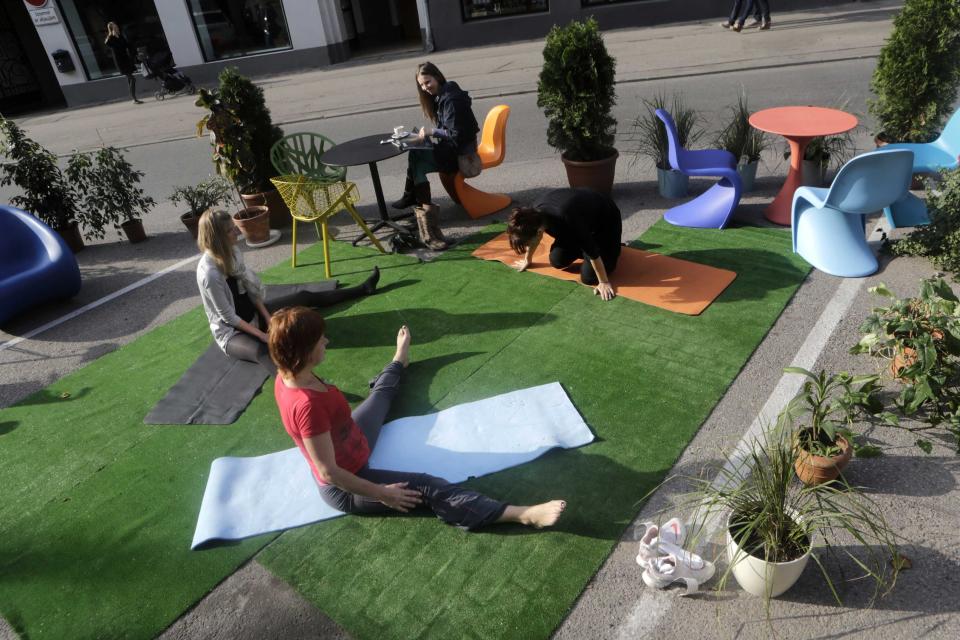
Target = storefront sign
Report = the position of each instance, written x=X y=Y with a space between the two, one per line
x=44 y=16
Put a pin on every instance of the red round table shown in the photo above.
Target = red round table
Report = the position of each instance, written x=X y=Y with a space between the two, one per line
x=799 y=125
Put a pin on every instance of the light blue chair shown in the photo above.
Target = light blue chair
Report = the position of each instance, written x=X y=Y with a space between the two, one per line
x=908 y=211
x=931 y=157
x=828 y=224
x=712 y=208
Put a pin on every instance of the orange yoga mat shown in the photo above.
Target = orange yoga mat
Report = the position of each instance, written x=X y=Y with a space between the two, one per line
x=654 y=279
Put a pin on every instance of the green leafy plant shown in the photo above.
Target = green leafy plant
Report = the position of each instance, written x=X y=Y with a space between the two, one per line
x=648 y=134
x=108 y=187
x=243 y=132
x=47 y=193
x=918 y=341
x=576 y=91
x=917 y=75
x=204 y=195
x=737 y=136
x=940 y=240
x=829 y=152
x=826 y=407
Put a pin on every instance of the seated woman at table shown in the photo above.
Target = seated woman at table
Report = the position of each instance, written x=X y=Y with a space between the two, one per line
x=584 y=225
x=337 y=443
x=233 y=296
x=454 y=129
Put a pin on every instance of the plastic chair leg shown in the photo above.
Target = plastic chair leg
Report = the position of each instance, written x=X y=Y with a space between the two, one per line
x=363 y=227
x=833 y=242
x=908 y=211
x=709 y=210
x=293 y=260
x=479 y=203
x=449 y=182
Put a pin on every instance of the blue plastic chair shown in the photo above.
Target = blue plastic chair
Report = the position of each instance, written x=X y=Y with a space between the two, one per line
x=908 y=211
x=36 y=267
x=828 y=224
x=942 y=153
x=713 y=208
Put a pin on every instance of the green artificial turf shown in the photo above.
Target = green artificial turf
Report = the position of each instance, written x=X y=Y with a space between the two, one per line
x=98 y=509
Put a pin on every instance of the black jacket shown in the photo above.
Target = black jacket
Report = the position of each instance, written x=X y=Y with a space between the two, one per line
x=455 y=115
x=122 y=54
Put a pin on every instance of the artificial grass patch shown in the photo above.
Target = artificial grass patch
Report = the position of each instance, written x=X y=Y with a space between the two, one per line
x=98 y=509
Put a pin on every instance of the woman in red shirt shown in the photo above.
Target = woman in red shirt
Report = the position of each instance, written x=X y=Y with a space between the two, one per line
x=337 y=443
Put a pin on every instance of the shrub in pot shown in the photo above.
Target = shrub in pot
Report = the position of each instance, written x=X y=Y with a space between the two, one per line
x=576 y=91
x=823 y=154
x=243 y=134
x=917 y=75
x=199 y=198
x=649 y=139
x=109 y=189
x=940 y=240
x=743 y=141
x=47 y=193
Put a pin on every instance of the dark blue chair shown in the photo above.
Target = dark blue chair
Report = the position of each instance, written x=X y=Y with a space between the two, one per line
x=713 y=208
x=36 y=266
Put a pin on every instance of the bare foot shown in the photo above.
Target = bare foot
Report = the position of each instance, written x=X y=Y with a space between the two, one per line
x=403 y=346
x=538 y=516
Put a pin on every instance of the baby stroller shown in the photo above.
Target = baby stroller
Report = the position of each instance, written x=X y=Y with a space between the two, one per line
x=160 y=67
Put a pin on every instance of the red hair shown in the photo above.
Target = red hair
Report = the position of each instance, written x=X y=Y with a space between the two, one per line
x=294 y=332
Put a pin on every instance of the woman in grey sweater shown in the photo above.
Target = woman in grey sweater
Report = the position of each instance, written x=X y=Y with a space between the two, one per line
x=235 y=300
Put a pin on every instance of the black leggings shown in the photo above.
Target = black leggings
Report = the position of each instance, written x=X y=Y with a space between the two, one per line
x=132 y=84
x=243 y=346
x=562 y=257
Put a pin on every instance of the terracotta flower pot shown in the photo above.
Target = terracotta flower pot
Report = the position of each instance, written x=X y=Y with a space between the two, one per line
x=814 y=470
x=70 y=233
x=254 y=223
x=596 y=175
x=191 y=222
x=279 y=213
x=134 y=230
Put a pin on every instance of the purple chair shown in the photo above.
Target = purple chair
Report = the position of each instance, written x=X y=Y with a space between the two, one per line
x=713 y=207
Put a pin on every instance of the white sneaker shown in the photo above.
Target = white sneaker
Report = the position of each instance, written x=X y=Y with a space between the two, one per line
x=678 y=566
x=672 y=532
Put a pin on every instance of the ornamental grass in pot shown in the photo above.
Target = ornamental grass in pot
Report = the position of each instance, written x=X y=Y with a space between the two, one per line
x=576 y=91
x=742 y=140
x=648 y=137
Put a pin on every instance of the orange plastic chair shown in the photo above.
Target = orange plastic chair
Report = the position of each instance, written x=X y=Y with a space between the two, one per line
x=492 y=149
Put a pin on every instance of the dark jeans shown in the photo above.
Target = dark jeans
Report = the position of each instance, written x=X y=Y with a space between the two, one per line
x=243 y=346
x=132 y=85
x=760 y=9
x=454 y=505
x=562 y=257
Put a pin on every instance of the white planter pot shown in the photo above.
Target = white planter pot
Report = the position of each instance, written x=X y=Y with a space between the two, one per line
x=759 y=577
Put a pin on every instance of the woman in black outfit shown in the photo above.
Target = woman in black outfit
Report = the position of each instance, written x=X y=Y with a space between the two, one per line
x=123 y=56
x=455 y=130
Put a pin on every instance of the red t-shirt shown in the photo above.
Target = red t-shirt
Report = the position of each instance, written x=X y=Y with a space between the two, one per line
x=306 y=413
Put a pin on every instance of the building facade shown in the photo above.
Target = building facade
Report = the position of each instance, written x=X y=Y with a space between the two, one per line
x=52 y=52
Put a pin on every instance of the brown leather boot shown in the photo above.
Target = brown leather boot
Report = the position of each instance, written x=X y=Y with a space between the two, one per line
x=433 y=224
x=428 y=227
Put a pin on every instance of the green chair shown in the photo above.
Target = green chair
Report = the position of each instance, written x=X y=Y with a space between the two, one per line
x=299 y=153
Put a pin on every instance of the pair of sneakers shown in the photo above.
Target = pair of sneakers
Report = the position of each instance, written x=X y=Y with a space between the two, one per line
x=665 y=561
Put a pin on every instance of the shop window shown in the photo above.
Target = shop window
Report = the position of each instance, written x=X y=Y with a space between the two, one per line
x=479 y=9
x=234 y=28
x=87 y=22
x=594 y=3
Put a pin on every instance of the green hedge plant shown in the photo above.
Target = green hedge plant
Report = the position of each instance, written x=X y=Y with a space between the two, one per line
x=576 y=92
x=940 y=240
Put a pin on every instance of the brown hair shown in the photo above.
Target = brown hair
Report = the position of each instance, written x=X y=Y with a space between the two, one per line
x=212 y=238
x=294 y=332
x=523 y=226
x=426 y=100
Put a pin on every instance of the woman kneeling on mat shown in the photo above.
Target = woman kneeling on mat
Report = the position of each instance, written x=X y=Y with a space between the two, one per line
x=337 y=444
x=583 y=223
x=233 y=296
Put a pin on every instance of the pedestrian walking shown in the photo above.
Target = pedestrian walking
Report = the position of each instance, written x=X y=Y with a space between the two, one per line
x=742 y=8
x=124 y=56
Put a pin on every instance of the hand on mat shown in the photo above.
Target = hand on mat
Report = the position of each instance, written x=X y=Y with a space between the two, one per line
x=605 y=290
x=521 y=265
x=397 y=496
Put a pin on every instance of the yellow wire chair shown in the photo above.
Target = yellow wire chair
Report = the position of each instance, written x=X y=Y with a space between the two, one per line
x=317 y=201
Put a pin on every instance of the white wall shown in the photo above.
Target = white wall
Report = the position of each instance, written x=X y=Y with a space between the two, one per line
x=55 y=36
x=313 y=23
x=180 y=33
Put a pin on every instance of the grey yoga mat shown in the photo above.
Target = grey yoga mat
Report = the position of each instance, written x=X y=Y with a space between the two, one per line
x=217 y=388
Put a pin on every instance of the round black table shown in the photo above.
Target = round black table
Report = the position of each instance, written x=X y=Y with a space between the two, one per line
x=368 y=150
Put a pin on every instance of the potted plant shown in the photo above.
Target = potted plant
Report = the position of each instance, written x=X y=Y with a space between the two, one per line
x=916 y=78
x=47 y=194
x=109 y=189
x=209 y=193
x=649 y=137
x=822 y=154
x=773 y=524
x=743 y=141
x=940 y=240
x=918 y=341
x=825 y=408
x=576 y=91
x=243 y=134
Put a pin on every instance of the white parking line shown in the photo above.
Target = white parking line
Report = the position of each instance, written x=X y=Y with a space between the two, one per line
x=653 y=605
x=95 y=304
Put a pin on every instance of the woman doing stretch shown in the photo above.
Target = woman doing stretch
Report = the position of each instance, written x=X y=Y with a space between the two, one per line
x=233 y=296
x=123 y=57
x=583 y=223
x=337 y=443
x=454 y=129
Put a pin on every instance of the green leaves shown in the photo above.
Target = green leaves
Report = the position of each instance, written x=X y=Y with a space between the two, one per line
x=204 y=195
x=107 y=186
x=649 y=135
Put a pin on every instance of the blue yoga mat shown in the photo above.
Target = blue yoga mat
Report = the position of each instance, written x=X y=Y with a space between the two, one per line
x=249 y=496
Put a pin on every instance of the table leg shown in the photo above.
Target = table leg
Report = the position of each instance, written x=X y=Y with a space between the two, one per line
x=779 y=210
x=385 y=219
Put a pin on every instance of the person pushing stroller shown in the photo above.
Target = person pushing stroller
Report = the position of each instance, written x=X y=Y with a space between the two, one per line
x=160 y=67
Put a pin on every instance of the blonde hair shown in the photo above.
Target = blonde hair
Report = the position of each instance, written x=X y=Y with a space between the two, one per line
x=213 y=238
x=112 y=29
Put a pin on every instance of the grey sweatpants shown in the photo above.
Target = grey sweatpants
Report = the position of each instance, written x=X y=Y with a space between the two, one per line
x=452 y=504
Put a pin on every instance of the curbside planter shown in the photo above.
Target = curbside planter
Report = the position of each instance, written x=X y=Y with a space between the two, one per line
x=134 y=230
x=597 y=174
x=748 y=174
x=254 y=223
x=672 y=183
x=813 y=470
x=70 y=232
x=759 y=577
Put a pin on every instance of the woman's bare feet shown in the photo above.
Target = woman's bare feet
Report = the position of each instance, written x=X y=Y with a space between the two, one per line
x=403 y=346
x=538 y=516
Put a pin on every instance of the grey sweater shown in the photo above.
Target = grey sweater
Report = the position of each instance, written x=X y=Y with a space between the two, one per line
x=217 y=299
